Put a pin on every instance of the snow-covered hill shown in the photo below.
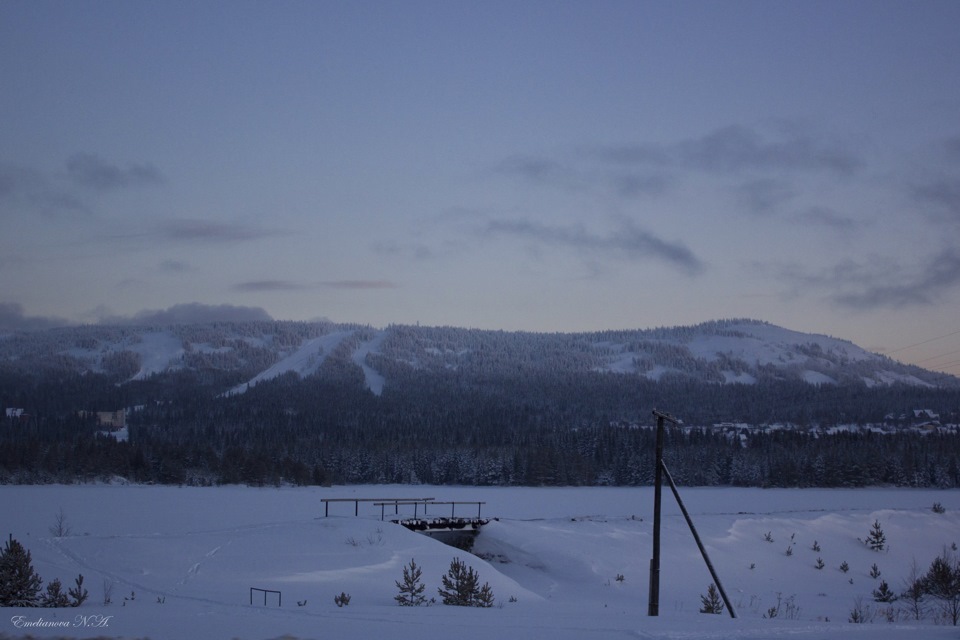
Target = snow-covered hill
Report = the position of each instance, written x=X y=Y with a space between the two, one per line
x=721 y=352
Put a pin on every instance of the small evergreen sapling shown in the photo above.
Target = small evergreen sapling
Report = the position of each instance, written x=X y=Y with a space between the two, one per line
x=883 y=593
x=411 y=588
x=711 y=603
x=876 y=540
x=484 y=597
x=54 y=595
x=77 y=593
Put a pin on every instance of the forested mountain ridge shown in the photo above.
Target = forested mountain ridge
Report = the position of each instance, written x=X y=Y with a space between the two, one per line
x=719 y=352
x=274 y=402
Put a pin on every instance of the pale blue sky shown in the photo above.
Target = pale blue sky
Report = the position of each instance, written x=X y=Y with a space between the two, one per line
x=547 y=166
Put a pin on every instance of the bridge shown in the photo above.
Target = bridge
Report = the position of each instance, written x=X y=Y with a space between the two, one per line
x=455 y=530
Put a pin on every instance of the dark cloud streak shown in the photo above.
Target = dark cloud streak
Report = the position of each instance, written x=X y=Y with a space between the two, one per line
x=764 y=196
x=882 y=283
x=629 y=241
x=258 y=286
x=212 y=232
x=27 y=190
x=943 y=193
x=826 y=217
x=736 y=148
x=89 y=170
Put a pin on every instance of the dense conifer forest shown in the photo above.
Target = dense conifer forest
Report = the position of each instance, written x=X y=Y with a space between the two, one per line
x=585 y=428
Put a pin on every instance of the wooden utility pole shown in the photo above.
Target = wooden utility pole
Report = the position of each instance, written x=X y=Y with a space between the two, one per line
x=653 y=604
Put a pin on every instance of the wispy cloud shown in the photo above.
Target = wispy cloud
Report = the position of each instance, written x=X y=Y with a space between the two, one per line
x=258 y=286
x=644 y=169
x=415 y=250
x=27 y=190
x=951 y=148
x=174 y=266
x=24 y=190
x=826 y=217
x=738 y=148
x=943 y=194
x=629 y=241
x=881 y=283
x=764 y=195
x=576 y=175
x=13 y=318
x=541 y=170
x=90 y=170
x=212 y=232
x=359 y=284
x=190 y=313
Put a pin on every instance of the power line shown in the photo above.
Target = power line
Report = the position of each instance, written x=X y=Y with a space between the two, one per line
x=939 y=355
x=917 y=344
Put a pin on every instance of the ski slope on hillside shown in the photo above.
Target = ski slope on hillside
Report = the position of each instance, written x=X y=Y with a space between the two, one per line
x=566 y=563
x=304 y=361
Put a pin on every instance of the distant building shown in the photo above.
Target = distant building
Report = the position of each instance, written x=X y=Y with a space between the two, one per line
x=112 y=419
x=109 y=419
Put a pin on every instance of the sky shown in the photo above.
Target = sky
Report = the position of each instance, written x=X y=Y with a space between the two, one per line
x=540 y=166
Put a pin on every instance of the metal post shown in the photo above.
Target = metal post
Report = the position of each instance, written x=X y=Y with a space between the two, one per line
x=653 y=602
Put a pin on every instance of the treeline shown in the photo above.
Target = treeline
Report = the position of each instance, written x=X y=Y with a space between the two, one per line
x=443 y=429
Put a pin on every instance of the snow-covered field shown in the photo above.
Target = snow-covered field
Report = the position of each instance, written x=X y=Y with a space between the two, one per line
x=180 y=562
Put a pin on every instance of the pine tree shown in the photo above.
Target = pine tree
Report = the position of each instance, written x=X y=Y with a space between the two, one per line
x=459 y=584
x=77 y=593
x=484 y=597
x=883 y=593
x=461 y=587
x=54 y=596
x=711 y=602
x=876 y=540
x=942 y=581
x=19 y=583
x=411 y=589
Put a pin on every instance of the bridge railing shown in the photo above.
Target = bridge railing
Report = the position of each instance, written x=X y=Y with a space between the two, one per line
x=356 y=502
